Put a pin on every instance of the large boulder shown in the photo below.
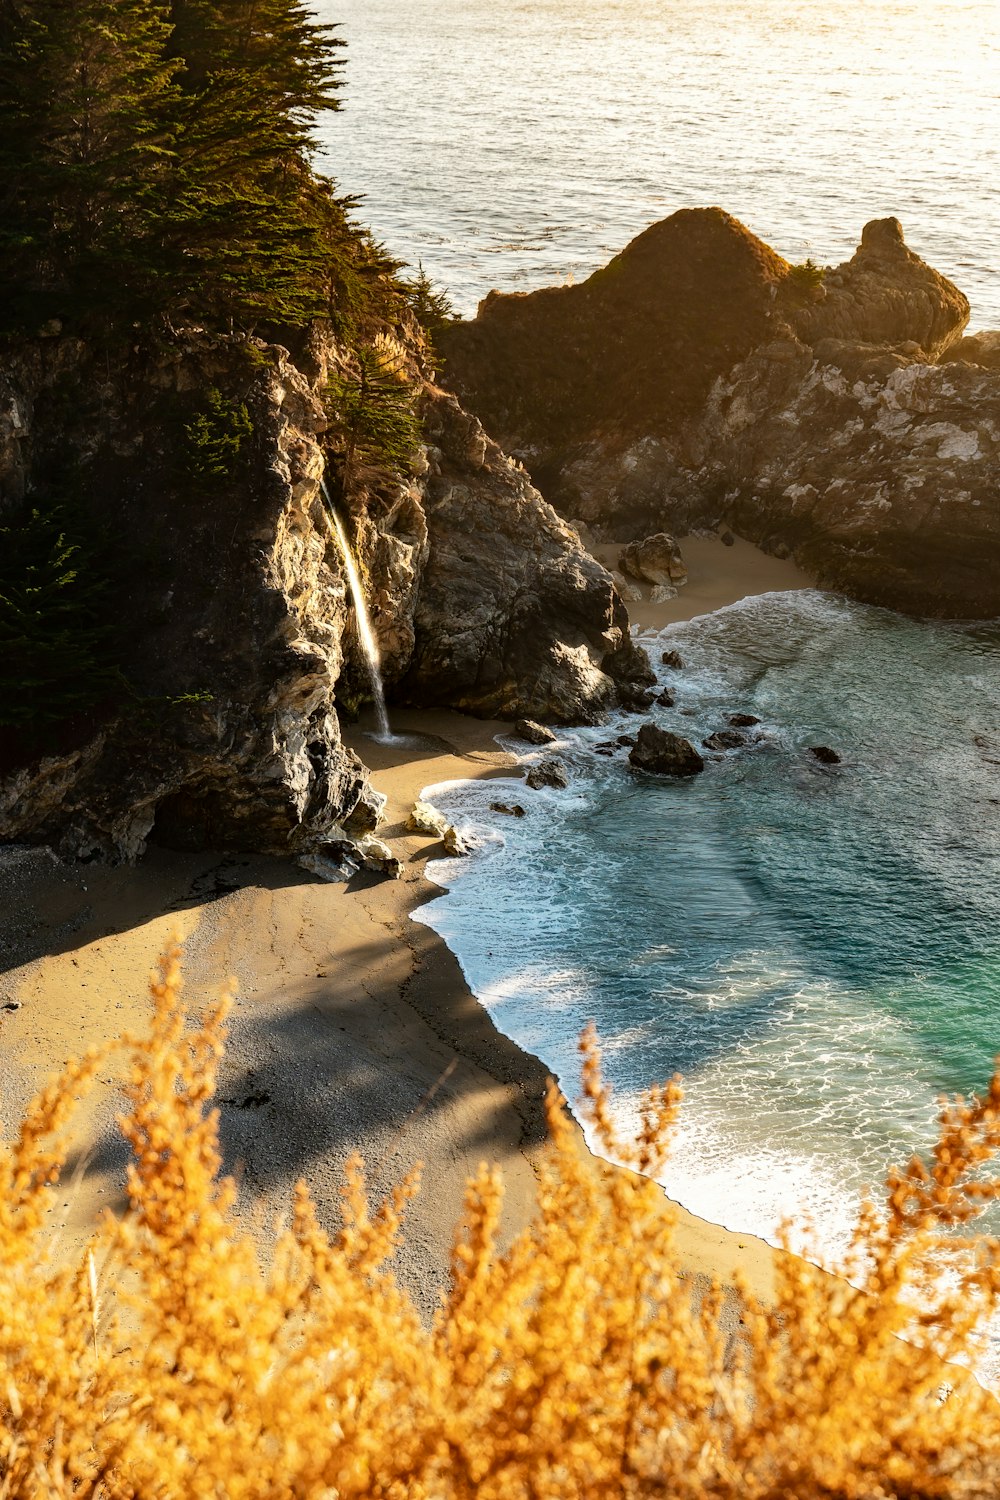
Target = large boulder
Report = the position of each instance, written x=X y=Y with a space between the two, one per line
x=655 y=560
x=514 y=617
x=885 y=295
x=664 y=753
x=975 y=349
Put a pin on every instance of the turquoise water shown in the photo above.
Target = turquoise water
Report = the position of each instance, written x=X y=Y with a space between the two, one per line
x=816 y=950
x=523 y=144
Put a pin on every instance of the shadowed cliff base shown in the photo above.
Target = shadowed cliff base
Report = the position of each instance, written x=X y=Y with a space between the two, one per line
x=834 y=413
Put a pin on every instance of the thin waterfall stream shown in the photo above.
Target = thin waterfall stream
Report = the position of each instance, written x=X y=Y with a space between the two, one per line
x=365 y=632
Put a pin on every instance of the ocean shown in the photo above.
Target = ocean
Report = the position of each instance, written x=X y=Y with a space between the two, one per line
x=816 y=950
x=522 y=145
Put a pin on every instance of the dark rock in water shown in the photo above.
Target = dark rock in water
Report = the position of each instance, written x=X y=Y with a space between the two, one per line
x=727 y=539
x=637 y=700
x=725 y=739
x=673 y=659
x=657 y=559
x=512 y=809
x=548 y=772
x=666 y=699
x=535 y=734
x=825 y=755
x=603 y=750
x=664 y=753
x=626 y=739
x=742 y=721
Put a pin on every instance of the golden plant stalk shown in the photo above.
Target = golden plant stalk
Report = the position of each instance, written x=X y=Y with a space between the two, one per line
x=577 y=1362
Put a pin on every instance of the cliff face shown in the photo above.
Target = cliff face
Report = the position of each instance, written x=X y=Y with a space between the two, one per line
x=233 y=622
x=843 y=418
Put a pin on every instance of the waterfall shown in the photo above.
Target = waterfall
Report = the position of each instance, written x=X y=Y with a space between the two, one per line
x=365 y=632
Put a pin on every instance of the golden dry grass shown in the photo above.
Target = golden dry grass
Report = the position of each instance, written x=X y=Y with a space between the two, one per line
x=574 y=1363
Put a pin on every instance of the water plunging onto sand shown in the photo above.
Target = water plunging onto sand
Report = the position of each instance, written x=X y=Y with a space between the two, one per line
x=365 y=632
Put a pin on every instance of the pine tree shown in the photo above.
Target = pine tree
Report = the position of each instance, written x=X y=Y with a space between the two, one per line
x=85 y=94
x=55 y=642
x=244 y=216
x=156 y=165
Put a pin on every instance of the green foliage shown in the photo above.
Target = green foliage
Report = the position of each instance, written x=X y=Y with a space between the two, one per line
x=156 y=164
x=55 y=646
x=430 y=303
x=374 y=409
x=807 y=275
x=216 y=439
x=86 y=138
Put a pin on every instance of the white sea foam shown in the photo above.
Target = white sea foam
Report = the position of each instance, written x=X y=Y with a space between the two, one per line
x=813 y=950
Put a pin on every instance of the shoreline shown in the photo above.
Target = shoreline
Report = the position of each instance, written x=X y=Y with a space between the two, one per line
x=354 y=1029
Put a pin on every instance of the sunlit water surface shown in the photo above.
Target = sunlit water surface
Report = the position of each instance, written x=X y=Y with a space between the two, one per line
x=522 y=144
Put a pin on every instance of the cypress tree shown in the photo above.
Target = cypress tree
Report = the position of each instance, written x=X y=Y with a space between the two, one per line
x=156 y=160
x=244 y=215
x=85 y=140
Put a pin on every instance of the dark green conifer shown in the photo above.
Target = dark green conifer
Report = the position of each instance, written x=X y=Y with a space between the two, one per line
x=85 y=141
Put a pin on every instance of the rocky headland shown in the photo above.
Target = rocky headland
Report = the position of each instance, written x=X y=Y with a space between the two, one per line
x=230 y=612
x=836 y=416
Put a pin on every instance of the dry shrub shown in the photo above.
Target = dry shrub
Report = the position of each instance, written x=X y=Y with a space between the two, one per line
x=178 y=1361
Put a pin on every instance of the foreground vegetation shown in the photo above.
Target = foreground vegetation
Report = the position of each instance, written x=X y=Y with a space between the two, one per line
x=181 y=1359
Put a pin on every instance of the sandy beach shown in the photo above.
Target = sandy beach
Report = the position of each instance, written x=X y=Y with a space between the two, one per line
x=353 y=1029
x=717 y=575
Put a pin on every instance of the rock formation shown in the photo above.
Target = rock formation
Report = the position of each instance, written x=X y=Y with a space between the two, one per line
x=836 y=416
x=233 y=630
x=514 y=619
x=664 y=753
x=655 y=560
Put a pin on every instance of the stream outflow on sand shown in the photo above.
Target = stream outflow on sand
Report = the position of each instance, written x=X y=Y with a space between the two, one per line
x=816 y=949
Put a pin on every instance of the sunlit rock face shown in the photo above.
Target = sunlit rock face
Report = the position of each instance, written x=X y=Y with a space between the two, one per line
x=885 y=482
x=232 y=618
x=514 y=618
x=842 y=417
x=229 y=607
x=592 y=386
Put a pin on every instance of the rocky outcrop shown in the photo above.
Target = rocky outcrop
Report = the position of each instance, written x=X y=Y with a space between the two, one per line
x=838 y=417
x=514 y=618
x=881 y=473
x=655 y=560
x=664 y=753
x=590 y=385
x=976 y=349
x=233 y=610
x=233 y=617
x=884 y=295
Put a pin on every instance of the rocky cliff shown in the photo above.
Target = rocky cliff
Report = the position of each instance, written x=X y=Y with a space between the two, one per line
x=839 y=415
x=232 y=623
